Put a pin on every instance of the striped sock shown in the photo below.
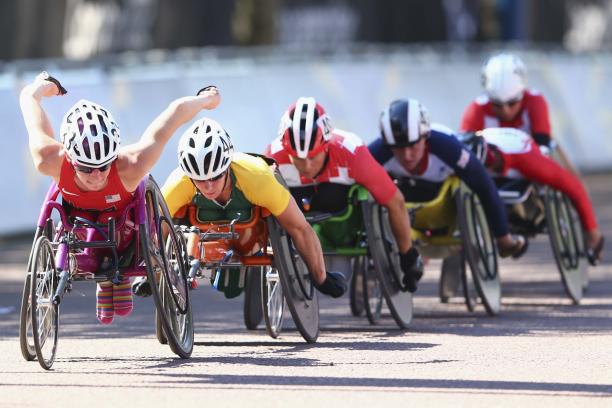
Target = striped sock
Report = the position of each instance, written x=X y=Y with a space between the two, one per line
x=104 y=302
x=122 y=297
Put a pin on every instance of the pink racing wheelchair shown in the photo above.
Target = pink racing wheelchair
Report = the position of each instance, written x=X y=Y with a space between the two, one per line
x=64 y=252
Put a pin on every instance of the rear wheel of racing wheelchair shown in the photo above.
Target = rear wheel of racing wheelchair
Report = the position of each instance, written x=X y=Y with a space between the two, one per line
x=298 y=288
x=26 y=339
x=166 y=263
x=567 y=241
x=252 y=310
x=44 y=313
x=479 y=250
x=272 y=300
x=385 y=254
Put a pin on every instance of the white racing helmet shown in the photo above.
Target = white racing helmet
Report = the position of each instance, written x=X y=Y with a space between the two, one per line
x=504 y=77
x=205 y=150
x=90 y=135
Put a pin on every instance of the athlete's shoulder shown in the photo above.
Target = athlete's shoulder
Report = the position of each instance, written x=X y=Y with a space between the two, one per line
x=344 y=140
x=276 y=151
x=481 y=100
x=249 y=163
x=177 y=182
x=534 y=97
x=443 y=140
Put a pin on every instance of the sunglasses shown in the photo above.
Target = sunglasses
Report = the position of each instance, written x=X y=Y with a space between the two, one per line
x=89 y=170
x=511 y=103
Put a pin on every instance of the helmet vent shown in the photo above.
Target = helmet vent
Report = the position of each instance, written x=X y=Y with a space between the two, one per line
x=194 y=164
x=218 y=156
x=102 y=124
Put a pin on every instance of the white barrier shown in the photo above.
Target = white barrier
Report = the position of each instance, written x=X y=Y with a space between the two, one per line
x=256 y=91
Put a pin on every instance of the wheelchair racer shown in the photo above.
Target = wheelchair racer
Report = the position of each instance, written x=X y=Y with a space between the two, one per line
x=96 y=176
x=508 y=102
x=410 y=148
x=222 y=183
x=320 y=163
x=509 y=149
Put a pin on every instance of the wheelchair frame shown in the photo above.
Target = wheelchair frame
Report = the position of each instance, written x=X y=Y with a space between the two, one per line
x=65 y=258
x=453 y=226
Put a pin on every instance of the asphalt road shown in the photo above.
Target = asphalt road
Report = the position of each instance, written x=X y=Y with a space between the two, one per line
x=541 y=350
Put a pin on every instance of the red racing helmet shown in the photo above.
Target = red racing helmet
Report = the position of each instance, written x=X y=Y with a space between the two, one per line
x=305 y=128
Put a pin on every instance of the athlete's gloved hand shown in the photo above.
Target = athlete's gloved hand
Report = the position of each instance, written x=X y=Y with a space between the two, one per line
x=46 y=77
x=334 y=285
x=412 y=266
x=206 y=88
x=141 y=287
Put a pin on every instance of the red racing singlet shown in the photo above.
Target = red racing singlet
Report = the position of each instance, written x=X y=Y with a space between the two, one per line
x=532 y=118
x=349 y=162
x=112 y=198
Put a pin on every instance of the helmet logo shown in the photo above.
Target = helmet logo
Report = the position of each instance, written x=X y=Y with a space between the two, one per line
x=324 y=124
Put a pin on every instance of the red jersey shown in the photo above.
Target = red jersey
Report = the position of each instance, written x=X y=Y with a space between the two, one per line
x=349 y=161
x=532 y=118
x=112 y=198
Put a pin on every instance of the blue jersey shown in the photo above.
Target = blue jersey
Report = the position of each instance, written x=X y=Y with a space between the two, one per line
x=448 y=156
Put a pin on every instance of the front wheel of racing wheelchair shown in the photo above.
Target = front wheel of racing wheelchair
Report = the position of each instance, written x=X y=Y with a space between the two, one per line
x=166 y=264
x=567 y=241
x=44 y=311
x=479 y=251
x=26 y=339
x=272 y=301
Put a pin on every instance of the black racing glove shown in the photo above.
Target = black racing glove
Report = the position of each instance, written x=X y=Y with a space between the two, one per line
x=334 y=285
x=206 y=88
x=412 y=266
x=60 y=89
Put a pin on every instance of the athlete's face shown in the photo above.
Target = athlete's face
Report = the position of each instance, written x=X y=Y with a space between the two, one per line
x=90 y=179
x=507 y=111
x=310 y=166
x=410 y=157
x=212 y=189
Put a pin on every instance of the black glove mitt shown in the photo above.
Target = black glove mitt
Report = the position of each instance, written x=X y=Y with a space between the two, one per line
x=412 y=266
x=334 y=285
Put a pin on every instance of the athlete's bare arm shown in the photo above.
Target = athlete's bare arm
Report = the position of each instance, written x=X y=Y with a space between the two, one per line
x=305 y=239
x=400 y=222
x=47 y=153
x=136 y=160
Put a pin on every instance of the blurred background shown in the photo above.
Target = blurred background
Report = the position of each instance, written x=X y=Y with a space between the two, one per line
x=135 y=56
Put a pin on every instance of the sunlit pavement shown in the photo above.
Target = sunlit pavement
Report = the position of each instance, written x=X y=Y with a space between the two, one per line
x=541 y=350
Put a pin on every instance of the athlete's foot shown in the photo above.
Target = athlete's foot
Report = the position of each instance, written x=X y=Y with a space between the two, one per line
x=104 y=302
x=512 y=245
x=122 y=298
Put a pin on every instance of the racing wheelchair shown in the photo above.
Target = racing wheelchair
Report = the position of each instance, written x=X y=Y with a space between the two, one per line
x=534 y=209
x=254 y=254
x=448 y=222
x=63 y=253
x=358 y=238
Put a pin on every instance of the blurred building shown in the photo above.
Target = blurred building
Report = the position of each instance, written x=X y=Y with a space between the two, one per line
x=80 y=29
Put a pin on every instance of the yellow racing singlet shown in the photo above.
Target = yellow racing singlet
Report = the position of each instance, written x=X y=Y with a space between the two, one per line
x=252 y=175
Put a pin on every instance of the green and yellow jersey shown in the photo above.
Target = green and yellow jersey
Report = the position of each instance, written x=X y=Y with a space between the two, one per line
x=253 y=183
